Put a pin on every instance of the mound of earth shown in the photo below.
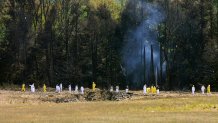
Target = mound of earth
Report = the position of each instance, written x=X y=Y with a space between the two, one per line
x=107 y=95
x=17 y=97
x=98 y=95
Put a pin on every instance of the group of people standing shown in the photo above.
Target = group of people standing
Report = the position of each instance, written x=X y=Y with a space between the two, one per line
x=32 y=88
x=59 y=88
x=146 y=90
x=202 y=89
x=117 y=89
x=152 y=89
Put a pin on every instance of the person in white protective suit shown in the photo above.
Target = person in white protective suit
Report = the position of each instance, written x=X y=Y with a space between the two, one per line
x=70 y=89
x=58 y=89
x=145 y=89
x=111 y=89
x=32 y=88
x=127 y=89
x=61 y=87
x=158 y=90
x=193 y=89
x=82 y=89
x=76 y=89
x=117 y=89
x=203 y=89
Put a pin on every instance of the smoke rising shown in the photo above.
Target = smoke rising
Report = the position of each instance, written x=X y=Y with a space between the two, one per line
x=138 y=45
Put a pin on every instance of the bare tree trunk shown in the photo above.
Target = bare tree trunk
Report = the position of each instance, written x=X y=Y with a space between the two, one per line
x=202 y=22
x=67 y=39
x=211 y=19
x=94 y=58
x=161 y=65
x=152 y=80
x=48 y=66
x=51 y=59
x=144 y=71
x=166 y=32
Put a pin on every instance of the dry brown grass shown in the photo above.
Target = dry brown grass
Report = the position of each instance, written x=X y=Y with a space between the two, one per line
x=142 y=110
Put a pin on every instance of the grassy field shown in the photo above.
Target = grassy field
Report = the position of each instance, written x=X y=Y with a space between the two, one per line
x=169 y=109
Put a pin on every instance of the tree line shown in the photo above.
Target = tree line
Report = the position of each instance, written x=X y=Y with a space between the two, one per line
x=81 y=41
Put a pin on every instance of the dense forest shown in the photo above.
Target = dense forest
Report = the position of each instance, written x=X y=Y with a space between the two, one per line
x=170 y=43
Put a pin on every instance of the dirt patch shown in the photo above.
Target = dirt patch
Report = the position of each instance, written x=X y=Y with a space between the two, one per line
x=60 y=99
x=98 y=95
x=17 y=97
x=107 y=95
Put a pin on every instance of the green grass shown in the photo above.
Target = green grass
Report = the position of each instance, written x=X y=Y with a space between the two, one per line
x=185 y=109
